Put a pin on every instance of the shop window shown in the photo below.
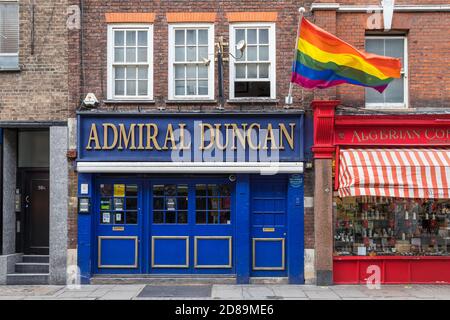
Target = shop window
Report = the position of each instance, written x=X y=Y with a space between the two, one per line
x=191 y=62
x=396 y=94
x=9 y=35
x=212 y=204
x=130 y=65
x=170 y=204
x=377 y=226
x=252 y=73
x=118 y=204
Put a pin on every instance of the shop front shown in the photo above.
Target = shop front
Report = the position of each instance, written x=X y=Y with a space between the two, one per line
x=391 y=206
x=191 y=194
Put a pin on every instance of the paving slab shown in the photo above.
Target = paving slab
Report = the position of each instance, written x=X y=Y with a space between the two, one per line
x=289 y=291
x=226 y=292
x=321 y=294
x=257 y=292
x=176 y=291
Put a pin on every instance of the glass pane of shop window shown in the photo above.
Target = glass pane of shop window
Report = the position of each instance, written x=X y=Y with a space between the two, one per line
x=200 y=203
x=118 y=217
x=158 y=217
x=158 y=203
x=131 y=217
x=182 y=190
x=182 y=203
x=106 y=190
x=131 y=204
x=170 y=190
x=182 y=217
x=158 y=190
x=213 y=217
x=170 y=217
x=225 y=217
x=200 y=190
x=213 y=190
x=105 y=218
x=200 y=217
x=224 y=190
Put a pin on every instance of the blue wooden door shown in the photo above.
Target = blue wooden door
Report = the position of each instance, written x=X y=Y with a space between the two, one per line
x=191 y=226
x=268 y=225
x=119 y=222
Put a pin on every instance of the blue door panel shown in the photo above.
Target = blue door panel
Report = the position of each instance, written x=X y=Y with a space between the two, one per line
x=120 y=252
x=213 y=252
x=170 y=252
x=269 y=254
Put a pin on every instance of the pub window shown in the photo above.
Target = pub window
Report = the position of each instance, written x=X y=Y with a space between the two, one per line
x=170 y=203
x=130 y=65
x=396 y=94
x=191 y=61
x=118 y=204
x=252 y=72
x=9 y=35
x=213 y=204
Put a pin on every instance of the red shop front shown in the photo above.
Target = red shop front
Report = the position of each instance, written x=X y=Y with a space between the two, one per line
x=391 y=207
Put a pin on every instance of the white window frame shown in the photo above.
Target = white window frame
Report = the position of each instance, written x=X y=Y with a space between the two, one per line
x=404 y=72
x=110 y=60
x=18 y=35
x=272 y=57
x=171 y=61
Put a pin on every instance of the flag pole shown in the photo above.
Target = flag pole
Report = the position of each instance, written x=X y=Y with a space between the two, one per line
x=301 y=10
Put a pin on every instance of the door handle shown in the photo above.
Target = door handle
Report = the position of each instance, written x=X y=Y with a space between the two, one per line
x=27 y=201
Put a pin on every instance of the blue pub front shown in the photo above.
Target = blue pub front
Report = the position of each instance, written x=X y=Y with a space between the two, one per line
x=198 y=194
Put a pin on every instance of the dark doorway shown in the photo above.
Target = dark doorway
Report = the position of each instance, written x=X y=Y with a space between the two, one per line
x=36 y=209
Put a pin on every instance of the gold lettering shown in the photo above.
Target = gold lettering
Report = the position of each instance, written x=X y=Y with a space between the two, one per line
x=127 y=138
x=182 y=145
x=93 y=136
x=356 y=136
x=270 y=136
x=106 y=127
x=249 y=136
x=141 y=136
x=221 y=141
x=240 y=134
x=202 y=136
x=289 y=138
x=152 y=137
x=170 y=137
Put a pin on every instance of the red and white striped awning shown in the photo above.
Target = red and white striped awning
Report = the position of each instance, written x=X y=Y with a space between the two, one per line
x=400 y=173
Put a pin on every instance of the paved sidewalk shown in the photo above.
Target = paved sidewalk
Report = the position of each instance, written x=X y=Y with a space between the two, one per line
x=300 y=292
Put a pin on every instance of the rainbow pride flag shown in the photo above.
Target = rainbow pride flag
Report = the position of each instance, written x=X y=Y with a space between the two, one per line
x=323 y=61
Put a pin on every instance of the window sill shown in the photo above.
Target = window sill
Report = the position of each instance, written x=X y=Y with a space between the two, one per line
x=389 y=109
x=129 y=101
x=252 y=100
x=196 y=101
x=10 y=69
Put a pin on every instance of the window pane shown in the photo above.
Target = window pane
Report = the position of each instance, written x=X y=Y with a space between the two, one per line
x=105 y=204
x=191 y=37
x=202 y=71
x=191 y=71
x=191 y=54
x=158 y=203
x=131 y=217
x=213 y=190
x=182 y=203
x=251 y=53
x=182 y=190
x=142 y=54
x=131 y=73
x=179 y=88
x=240 y=71
x=375 y=46
x=263 y=71
x=142 y=87
x=200 y=217
x=200 y=190
x=203 y=87
x=118 y=38
x=251 y=36
x=9 y=33
x=158 y=190
x=158 y=217
x=240 y=35
x=263 y=53
x=170 y=190
x=131 y=38
x=106 y=190
x=118 y=218
x=118 y=55
x=200 y=203
x=119 y=72
x=202 y=53
x=394 y=48
x=251 y=89
x=131 y=203
x=263 y=36
x=224 y=190
x=131 y=190
x=252 y=70
x=213 y=217
x=202 y=36
x=190 y=88
x=179 y=37
x=131 y=87
x=119 y=88
x=143 y=73
x=182 y=217
x=373 y=96
x=179 y=54
x=179 y=72
x=142 y=38
x=170 y=217
x=131 y=55
x=105 y=218
x=394 y=92
x=225 y=217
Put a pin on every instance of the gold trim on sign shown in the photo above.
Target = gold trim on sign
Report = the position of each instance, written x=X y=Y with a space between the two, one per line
x=254 y=267
x=186 y=239
x=230 y=252
x=112 y=266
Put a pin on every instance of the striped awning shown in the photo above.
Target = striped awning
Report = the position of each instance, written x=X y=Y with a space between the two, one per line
x=400 y=173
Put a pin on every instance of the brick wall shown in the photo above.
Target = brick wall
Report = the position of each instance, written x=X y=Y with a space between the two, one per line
x=39 y=91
